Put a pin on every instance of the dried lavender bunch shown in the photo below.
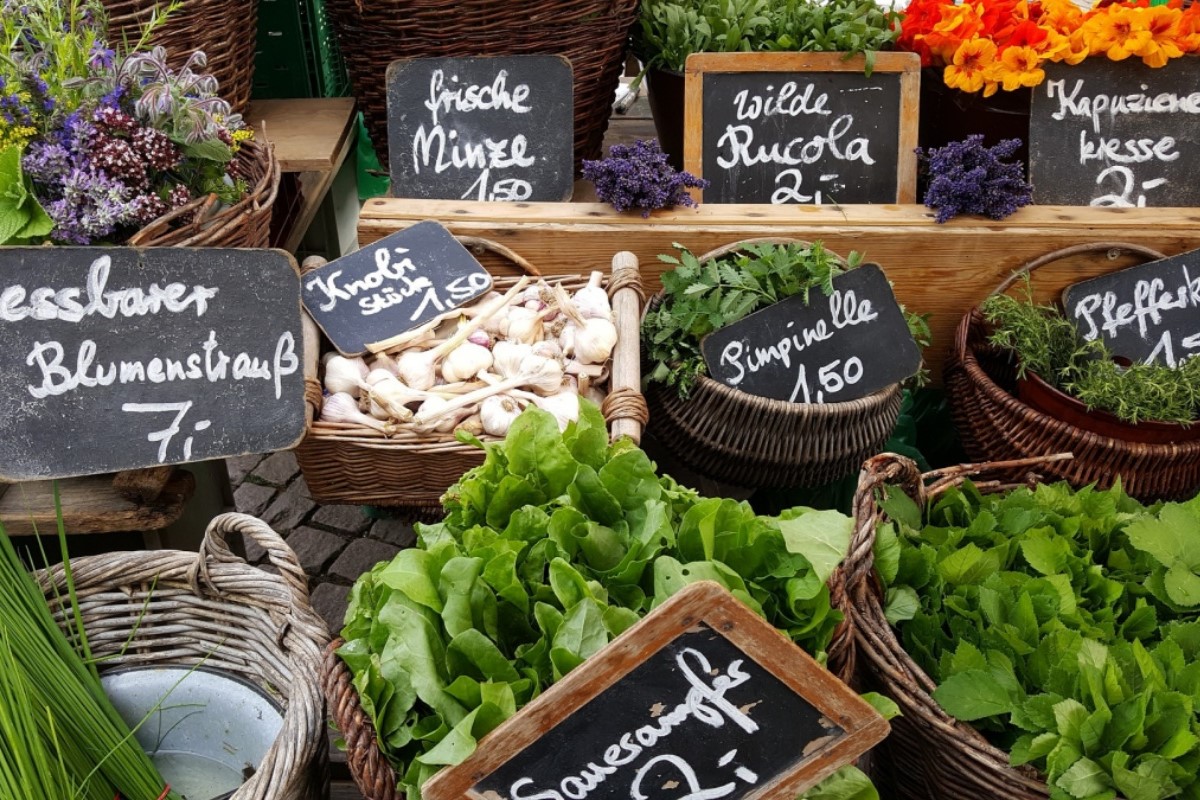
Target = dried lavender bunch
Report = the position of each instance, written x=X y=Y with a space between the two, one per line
x=639 y=176
x=968 y=178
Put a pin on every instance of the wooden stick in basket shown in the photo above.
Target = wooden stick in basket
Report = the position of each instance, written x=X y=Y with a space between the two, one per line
x=627 y=366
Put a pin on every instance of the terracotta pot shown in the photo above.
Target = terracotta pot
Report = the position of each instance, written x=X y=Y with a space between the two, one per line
x=664 y=90
x=1037 y=394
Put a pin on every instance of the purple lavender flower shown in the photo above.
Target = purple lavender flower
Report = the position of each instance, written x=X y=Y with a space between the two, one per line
x=639 y=176
x=968 y=178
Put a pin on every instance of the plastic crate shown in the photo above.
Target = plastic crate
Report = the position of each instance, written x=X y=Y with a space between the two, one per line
x=297 y=53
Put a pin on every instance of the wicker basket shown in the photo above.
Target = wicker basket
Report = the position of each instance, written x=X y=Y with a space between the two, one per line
x=995 y=425
x=347 y=463
x=933 y=755
x=201 y=223
x=184 y=608
x=226 y=30
x=592 y=34
x=745 y=440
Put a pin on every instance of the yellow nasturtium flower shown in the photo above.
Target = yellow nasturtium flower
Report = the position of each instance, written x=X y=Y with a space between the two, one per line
x=1118 y=33
x=1162 y=23
x=1019 y=66
x=972 y=65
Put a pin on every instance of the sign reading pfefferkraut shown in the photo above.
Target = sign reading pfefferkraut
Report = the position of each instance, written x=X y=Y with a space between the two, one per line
x=118 y=358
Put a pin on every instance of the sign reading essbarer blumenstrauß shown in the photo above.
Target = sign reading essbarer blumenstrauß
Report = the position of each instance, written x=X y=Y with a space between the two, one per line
x=118 y=358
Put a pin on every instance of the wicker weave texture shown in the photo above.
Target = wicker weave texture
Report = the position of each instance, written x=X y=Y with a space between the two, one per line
x=592 y=34
x=226 y=30
x=409 y=472
x=172 y=608
x=202 y=223
x=995 y=425
x=933 y=755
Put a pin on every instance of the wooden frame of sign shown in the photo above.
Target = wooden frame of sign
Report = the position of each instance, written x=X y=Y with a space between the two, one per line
x=704 y=608
x=906 y=65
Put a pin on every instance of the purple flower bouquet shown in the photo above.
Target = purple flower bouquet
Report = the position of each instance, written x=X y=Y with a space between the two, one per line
x=639 y=176
x=95 y=144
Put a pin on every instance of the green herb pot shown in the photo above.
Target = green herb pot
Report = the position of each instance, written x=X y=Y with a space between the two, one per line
x=1041 y=396
x=664 y=90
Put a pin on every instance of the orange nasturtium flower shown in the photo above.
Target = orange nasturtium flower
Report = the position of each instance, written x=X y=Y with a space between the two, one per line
x=1162 y=23
x=1117 y=32
x=972 y=65
x=957 y=24
x=1188 y=35
x=1019 y=66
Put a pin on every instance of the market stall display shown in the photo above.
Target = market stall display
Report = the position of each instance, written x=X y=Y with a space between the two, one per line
x=533 y=344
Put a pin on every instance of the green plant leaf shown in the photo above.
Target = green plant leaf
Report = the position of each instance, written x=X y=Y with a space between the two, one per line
x=972 y=695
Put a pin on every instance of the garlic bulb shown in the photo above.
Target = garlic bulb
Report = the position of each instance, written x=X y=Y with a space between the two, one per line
x=592 y=301
x=472 y=425
x=377 y=375
x=521 y=325
x=481 y=338
x=498 y=412
x=507 y=357
x=544 y=375
x=566 y=338
x=341 y=407
x=547 y=348
x=389 y=400
x=465 y=362
x=564 y=405
x=595 y=341
x=344 y=374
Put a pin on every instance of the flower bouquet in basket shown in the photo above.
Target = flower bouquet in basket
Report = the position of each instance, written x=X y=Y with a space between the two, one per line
x=95 y=142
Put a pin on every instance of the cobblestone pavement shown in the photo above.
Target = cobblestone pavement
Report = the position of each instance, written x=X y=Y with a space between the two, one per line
x=335 y=544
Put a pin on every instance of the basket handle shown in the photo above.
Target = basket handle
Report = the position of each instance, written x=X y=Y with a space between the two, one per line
x=624 y=406
x=477 y=243
x=215 y=550
x=1111 y=249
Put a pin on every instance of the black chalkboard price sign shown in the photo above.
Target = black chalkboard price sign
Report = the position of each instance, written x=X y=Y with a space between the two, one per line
x=802 y=127
x=393 y=285
x=1148 y=313
x=1116 y=133
x=828 y=350
x=115 y=358
x=486 y=128
x=702 y=698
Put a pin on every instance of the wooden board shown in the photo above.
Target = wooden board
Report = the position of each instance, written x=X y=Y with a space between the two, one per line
x=701 y=692
x=309 y=134
x=91 y=505
x=782 y=127
x=942 y=270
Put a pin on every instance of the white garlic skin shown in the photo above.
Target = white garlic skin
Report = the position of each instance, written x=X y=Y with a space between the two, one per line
x=344 y=374
x=465 y=362
x=498 y=413
x=594 y=343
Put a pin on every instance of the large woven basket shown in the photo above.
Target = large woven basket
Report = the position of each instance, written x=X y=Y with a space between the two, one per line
x=592 y=34
x=347 y=463
x=226 y=30
x=745 y=440
x=173 y=608
x=995 y=425
x=204 y=223
x=929 y=754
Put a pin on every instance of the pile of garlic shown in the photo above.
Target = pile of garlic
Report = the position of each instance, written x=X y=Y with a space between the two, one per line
x=477 y=367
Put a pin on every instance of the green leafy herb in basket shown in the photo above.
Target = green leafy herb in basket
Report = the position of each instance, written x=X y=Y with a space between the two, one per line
x=1064 y=625
x=1047 y=343
x=699 y=298
x=552 y=547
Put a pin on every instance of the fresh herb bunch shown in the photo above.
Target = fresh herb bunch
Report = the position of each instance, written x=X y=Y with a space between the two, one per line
x=94 y=143
x=1063 y=625
x=669 y=31
x=701 y=298
x=550 y=549
x=638 y=176
x=1049 y=345
x=967 y=178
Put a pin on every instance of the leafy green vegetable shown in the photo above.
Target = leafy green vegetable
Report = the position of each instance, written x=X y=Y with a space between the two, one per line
x=21 y=215
x=699 y=298
x=669 y=31
x=1064 y=625
x=552 y=547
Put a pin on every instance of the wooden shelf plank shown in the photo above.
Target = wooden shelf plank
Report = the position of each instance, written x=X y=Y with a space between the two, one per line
x=91 y=505
x=309 y=134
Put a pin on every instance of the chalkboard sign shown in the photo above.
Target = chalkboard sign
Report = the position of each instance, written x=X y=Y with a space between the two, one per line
x=702 y=694
x=116 y=358
x=1107 y=133
x=828 y=350
x=486 y=128
x=1149 y=313
x=393 y=285
x=802 y=127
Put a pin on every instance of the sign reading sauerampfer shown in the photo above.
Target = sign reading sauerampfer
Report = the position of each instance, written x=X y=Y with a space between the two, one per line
x=118 y=358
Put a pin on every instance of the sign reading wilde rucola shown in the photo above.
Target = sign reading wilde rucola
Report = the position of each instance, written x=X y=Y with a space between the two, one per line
x=117 y=358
